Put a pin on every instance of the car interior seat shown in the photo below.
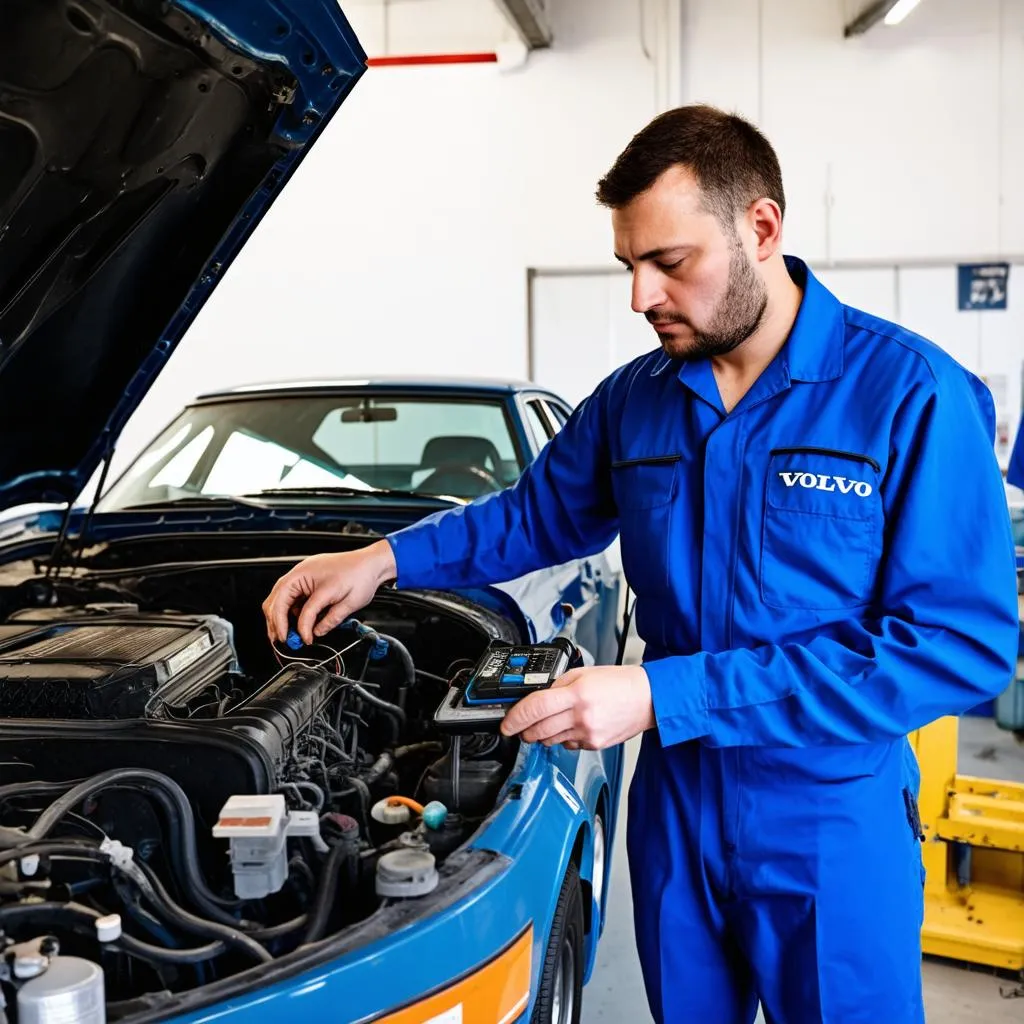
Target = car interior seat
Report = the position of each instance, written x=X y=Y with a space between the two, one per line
x=452 y=463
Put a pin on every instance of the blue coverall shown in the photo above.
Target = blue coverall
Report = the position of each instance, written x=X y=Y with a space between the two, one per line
x=818 y=572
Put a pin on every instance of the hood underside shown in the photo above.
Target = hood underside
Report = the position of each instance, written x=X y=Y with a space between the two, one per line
x=140 y=143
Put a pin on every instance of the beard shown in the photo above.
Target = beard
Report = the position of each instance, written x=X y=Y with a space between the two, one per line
x=736 y=316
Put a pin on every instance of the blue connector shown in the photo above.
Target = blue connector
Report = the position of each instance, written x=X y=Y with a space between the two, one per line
x=293 y=640
x=379 y=650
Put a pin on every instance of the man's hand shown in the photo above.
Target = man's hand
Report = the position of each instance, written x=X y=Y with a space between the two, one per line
x=592 y=708
x=338 y=584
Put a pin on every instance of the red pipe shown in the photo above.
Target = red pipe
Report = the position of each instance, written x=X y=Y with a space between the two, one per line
x=433 y=58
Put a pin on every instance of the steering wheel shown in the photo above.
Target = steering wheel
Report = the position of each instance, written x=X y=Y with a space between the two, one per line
x=479 y=481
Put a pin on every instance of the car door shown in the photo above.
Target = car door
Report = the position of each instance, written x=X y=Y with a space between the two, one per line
x=588 y=586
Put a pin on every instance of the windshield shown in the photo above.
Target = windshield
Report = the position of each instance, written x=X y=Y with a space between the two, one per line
x=454 y=446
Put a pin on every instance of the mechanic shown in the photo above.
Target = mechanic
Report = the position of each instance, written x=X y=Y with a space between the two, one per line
x=813 y=521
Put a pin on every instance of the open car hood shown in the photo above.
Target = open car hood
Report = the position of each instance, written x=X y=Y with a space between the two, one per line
x=141 y=141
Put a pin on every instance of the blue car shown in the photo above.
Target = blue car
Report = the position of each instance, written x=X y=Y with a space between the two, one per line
x=196 y=824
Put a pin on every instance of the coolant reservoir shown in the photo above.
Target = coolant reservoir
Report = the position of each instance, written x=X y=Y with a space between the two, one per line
x=70 y=989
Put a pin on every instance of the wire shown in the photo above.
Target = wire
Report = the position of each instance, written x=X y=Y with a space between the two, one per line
x=456 y=748
x=431 y=676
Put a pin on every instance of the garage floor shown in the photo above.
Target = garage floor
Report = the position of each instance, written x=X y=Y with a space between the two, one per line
x=952 y=993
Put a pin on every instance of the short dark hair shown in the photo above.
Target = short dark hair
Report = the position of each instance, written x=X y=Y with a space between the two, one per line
x=734 y=164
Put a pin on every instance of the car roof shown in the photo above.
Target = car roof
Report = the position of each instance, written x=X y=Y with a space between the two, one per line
x=468 y=385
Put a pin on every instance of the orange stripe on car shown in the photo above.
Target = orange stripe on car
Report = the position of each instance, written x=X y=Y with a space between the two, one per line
x=495 y=993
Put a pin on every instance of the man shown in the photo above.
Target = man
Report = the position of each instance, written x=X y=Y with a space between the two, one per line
x=813 y=520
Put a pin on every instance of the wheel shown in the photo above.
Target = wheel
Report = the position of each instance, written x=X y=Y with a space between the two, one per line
x=600 y=858
x=561 y=981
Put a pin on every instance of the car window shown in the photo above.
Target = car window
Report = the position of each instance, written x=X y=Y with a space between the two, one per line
x=559 y=415
x=540 y=428
x=459 y=446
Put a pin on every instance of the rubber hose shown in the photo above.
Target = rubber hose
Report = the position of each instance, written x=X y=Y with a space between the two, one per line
x=184 y=855
x=379 y=768
x=277 y=931
x=152 y=888
x=37 y=788
x=179 y=812
x=184 y=851
x=146 y=921
x=404 y=656
x=426 y=747
x=83 y=920
x=325 y=894
x=87 y=848
x=386 y=706
x=396 y=714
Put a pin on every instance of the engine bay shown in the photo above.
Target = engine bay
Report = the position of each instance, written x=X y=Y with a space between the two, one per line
x=181 y=801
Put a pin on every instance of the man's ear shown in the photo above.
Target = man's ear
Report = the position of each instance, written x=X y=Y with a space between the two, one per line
x=764 y=219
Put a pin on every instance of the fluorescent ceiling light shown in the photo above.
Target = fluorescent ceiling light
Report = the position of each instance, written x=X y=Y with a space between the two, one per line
x=900 y=10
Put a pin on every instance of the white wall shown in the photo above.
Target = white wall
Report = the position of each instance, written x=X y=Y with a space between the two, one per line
x=402 y=243
x=990 y=343
x=905 y=143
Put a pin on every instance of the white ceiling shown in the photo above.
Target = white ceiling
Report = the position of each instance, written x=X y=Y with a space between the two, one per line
x=389 y=28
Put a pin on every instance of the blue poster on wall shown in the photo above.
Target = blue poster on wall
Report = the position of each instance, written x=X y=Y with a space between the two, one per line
x=983 y=285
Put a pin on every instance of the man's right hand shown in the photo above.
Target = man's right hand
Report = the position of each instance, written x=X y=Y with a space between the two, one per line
x=336 y=584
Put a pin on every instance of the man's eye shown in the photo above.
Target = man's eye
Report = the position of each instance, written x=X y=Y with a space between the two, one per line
x=670 y=266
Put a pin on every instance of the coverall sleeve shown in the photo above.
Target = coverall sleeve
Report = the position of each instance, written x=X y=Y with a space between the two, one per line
x=560 y=508
x=940 y=638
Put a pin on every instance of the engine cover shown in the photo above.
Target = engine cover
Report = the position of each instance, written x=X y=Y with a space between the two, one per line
x=77 y=664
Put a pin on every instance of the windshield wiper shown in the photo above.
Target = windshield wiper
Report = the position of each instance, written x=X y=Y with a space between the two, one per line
x=360 y=492
x=192 y=501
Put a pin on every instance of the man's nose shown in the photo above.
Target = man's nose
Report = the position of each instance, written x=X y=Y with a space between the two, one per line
x=648 y=292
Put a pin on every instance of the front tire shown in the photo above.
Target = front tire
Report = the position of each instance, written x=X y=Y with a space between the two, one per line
x=561 y=984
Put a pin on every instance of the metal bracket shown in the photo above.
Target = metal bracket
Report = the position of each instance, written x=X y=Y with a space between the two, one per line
x=530 y=21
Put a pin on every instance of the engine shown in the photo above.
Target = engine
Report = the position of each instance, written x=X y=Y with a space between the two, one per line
x=210 y=817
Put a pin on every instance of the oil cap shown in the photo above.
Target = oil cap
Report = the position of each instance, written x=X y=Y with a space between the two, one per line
x=405 y=873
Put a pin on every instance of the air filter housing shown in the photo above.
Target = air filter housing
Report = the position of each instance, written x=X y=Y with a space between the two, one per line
x=109 y=665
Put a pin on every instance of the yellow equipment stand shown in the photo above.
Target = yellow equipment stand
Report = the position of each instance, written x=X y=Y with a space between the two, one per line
x=973 y=854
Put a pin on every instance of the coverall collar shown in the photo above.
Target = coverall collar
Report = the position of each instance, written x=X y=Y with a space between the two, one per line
x=813 y=352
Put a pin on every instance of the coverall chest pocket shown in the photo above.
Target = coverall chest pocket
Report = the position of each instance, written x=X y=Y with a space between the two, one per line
x=644 y=490
x=822 y=531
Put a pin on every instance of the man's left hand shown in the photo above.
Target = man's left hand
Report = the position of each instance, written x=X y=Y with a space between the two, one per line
x=592 y=708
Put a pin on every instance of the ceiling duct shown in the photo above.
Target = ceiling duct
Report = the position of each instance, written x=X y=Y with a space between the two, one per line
x=529 y=18
x=892 y=12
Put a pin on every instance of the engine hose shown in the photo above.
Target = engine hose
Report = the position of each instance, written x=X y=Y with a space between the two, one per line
x=180 y=818
x=37 y=788
x=185 y=858
x=363 y=790
x=83 y=919
x=179 y=842
x=149 y=923
x=83 y=848
x=152 y=888
x=426 y=747
x=396 y=714
x=379 y=768
x=408 y=668
x=278 y=931
x=323 y=902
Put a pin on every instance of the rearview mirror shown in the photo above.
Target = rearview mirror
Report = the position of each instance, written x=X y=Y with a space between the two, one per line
x=379 y=414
